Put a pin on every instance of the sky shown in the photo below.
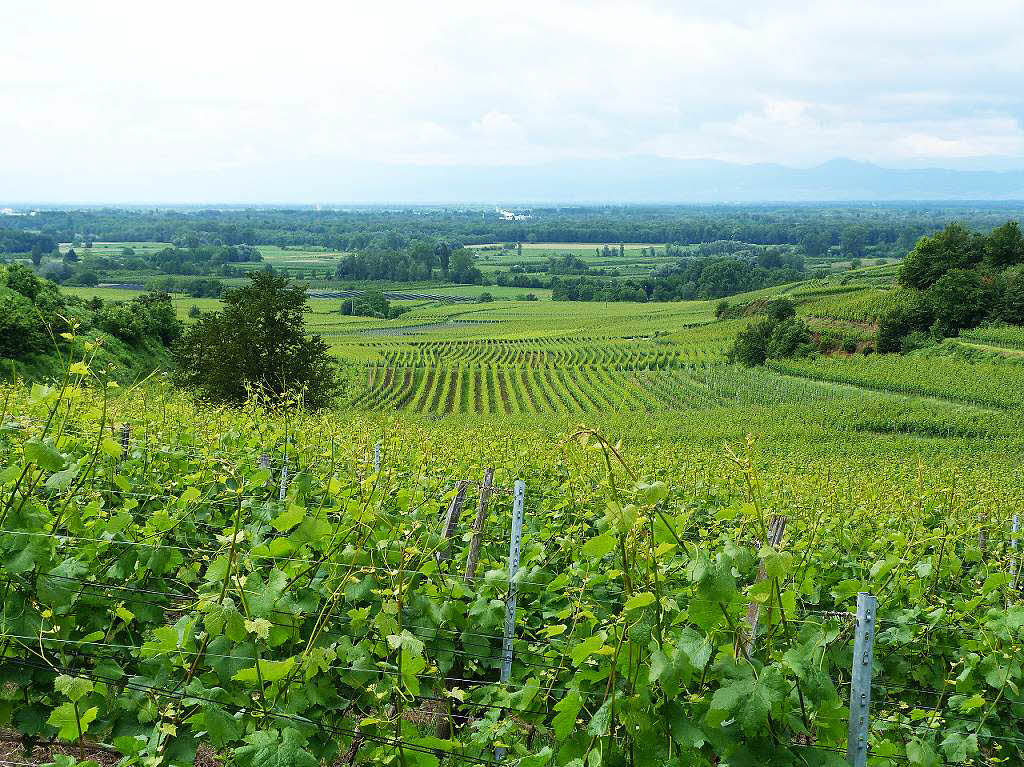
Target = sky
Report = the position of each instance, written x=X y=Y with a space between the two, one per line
x=118 y=101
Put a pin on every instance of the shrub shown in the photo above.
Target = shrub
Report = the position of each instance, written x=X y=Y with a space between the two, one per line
x=912 y=314
x=750 y=348
x=21 y=328
x=123 y=320
x=22 y=280
x=86 y=278
x=790 y=338
x=780 y=309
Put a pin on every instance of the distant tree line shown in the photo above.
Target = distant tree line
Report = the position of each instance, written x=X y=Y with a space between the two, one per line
x=197 y=287
x=422 y=260
x=202 y=259
x=852 y=229
x=691 y=279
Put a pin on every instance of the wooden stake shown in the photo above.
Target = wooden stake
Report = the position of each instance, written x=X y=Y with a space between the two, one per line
x=478 y=525
x=451 y=519
x=775 y=530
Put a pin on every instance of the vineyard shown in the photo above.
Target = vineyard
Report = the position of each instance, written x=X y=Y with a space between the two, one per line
x=261 y=588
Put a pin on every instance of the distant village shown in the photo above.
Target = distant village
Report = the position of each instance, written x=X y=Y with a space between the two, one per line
x=508 y=215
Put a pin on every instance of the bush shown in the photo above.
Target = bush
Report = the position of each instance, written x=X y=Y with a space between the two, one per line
x=780 y=309
x=916 y=340
x=22 y=280
x=485 y=298
x=750 y=348
x=913 y=314
x=21 y=328
x=86 y=278
x=122 y=319
x=771 y=339
x=790 y=338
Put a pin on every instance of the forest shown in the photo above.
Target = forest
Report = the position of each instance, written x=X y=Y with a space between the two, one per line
x=816 y=227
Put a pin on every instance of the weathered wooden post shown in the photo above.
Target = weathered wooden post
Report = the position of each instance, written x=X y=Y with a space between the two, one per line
x=775 y=530
x=478 y=525
x=451 y=520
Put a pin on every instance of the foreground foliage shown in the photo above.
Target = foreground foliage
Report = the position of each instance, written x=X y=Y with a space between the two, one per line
x=167 y=595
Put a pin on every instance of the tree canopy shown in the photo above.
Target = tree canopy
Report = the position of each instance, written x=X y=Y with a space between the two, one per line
x=257 y=345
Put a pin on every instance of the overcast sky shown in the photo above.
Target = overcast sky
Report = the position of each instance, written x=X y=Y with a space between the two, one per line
x=114 y=100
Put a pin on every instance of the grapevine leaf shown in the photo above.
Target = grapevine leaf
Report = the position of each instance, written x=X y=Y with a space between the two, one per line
x=61 y=479
x=270 y=670
x=260 y=627
x=957 y=746
x=643 y=599
x=599 y=721
x=289 y=519
x=406 y=641
x=599 y=547
x=586 y=648
x=67 y=723
x=921 y=754
x=43 y=455
x=72 y=687
x=220 y=726
x=270 y=748
x=568 y=709
x=190 y=495
x=748 y=700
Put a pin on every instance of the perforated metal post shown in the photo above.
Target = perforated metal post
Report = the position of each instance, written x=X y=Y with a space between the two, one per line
x=860 y=681
x=1014 y=564
x=376 y=458
x=510 y=602
x=126 y=433
x=283 y=494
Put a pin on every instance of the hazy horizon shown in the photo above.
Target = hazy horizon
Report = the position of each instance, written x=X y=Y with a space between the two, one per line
x=126 y=103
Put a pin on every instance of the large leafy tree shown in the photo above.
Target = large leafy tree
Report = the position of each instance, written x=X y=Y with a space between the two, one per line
x=955 y=247
x=1005 y=246
x=257 y=344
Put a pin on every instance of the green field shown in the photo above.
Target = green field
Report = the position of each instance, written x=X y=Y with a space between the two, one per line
x=636 y=259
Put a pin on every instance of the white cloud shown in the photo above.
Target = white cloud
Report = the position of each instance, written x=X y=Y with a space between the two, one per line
x=110 y=96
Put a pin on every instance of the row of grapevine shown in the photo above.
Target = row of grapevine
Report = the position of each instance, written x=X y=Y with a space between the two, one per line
x=510 y=390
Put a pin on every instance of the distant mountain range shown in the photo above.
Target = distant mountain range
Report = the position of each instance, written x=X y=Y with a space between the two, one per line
x=650 y=179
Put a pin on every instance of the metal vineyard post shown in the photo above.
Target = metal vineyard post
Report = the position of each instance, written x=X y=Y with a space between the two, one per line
x=860 y=681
